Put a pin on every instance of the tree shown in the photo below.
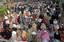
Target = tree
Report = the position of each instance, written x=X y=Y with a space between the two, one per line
x=2 y=11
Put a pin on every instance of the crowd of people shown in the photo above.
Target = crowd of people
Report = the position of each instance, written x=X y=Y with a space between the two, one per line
x=37 y=22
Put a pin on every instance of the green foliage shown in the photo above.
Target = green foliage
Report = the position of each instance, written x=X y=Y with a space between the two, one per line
x=2 y=10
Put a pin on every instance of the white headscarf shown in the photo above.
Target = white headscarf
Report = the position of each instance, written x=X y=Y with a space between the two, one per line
x=55 y=21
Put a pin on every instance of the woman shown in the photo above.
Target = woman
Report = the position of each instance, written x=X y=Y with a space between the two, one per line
x=43 y=34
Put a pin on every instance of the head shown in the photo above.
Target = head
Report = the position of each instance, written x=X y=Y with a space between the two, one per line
x=55 y=21
x=19 y=29
x=56 y=27
x=34 y=25
x=51 y=27
x=43 y=26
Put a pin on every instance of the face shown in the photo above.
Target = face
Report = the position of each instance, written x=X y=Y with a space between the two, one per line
x=34 y=25
x=43 y=26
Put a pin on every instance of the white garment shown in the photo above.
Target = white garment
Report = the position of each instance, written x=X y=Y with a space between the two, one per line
x=48 y=6
x=39 y=20
x=14 y=25
x=14 y=36
x=56 y=26
x=60 y=15
x=5 y=17
x=54 y=9
x=8 y=11
x=7 y=22
x=47 y=11
x=34 y=33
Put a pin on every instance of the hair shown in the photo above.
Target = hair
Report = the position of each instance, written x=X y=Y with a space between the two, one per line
x=41 y=16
